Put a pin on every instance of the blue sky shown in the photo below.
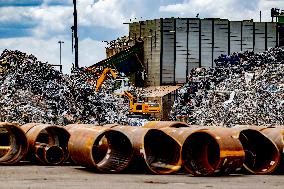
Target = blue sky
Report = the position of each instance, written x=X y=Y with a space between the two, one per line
x=36 y=26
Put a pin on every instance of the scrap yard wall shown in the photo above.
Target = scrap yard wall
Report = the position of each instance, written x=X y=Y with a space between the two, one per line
x=173 y=46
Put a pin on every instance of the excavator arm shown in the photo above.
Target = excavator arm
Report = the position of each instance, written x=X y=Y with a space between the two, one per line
x=131 y=98
x=103 y=77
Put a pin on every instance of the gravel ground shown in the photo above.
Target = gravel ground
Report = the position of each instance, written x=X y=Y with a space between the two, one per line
x=31 y=176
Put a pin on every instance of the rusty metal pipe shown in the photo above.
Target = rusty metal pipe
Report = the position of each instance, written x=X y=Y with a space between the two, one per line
x=261 y=154
x=46 y=139
x=208 y=151
x=100 y=148
x=214 y=151
x=13 y=143
x=155 y=151
x=73 y=127
x=49 y=154
x=276 y=134
x=164 y=124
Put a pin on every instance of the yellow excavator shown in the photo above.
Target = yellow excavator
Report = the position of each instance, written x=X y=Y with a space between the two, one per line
x=136 y=107
x=141 y=107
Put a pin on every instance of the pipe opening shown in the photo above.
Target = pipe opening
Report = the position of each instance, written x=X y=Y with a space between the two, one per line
x=201 y=154
x=5 y=142
x=54 y=155
x=13 y=144
x=43 y=137
x=112 y=151
x=53 y=140
x=179 y=125
x=162 y=152
x=49 y=154
x=261 y=155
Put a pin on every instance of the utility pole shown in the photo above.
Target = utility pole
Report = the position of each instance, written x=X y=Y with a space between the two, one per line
x=60 y=43
x=75 y=34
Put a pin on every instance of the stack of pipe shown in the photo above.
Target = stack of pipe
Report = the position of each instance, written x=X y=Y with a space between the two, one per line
x=157 y=148
x=115 y=148
x=217 y=150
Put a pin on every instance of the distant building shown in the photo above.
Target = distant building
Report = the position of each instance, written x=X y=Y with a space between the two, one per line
x=173 y=46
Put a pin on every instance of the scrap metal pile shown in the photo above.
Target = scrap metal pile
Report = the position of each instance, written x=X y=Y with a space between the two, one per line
x=32 y=91
x=156 y=148
x=244 y=88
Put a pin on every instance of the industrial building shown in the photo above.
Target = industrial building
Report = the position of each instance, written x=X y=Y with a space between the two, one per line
x=173 y=46
x=162 y=52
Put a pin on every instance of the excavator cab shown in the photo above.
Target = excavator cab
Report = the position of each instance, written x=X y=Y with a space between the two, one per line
x=121 y=85
x=145 y=108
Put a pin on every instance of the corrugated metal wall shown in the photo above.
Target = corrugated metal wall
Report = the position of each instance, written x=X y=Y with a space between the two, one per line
x=259 y=33
x=235 y=36
x=193 y=43
x=221 y=38
x=134 y=30
x=206 y=43
x=168 y=51
x=181 y=50
x=173 y=46
x=247 y=37
x=152 y=40
x=271 y=34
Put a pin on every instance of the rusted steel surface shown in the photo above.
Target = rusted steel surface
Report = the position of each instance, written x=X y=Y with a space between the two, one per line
x=180 y=134
x=161 y=147
x=13 y=143
x=163 y=124
x=100 y=148
x=47 y=143
x=276 y=134
x=212 y=151
x=209 y=150
x=261 y=153
x=73 y=127
x=155 y=150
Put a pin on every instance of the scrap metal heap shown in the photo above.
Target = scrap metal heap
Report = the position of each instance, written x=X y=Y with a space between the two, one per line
x=32 y=91
x=244 y=88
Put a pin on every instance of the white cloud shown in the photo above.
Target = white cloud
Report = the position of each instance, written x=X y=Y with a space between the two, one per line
x=52 y=23
x=105 y=13
x=90 y=51
x=230 y=9
x=52 y=20
x=14 y=14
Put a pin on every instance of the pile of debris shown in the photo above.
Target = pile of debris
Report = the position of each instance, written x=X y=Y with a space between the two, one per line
x=32 y=91
x=244 y=88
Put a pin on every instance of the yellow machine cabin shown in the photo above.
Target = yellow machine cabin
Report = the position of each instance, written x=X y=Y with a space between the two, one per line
x=141 y=107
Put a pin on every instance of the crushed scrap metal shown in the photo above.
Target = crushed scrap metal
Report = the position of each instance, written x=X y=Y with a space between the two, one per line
x=244 y=88
x=32 y=91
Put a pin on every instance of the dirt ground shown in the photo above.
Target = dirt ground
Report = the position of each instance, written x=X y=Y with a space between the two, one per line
x=36 y=177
